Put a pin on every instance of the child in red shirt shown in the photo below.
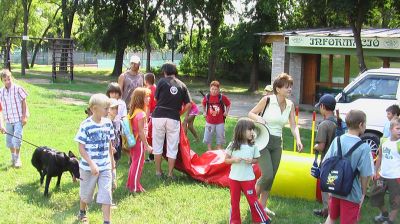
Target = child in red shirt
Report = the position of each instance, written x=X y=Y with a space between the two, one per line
x=149 y=82
x=216 y=107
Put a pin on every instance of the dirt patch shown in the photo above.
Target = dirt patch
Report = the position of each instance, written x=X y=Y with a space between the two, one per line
x=36 y=81
x=73 y=101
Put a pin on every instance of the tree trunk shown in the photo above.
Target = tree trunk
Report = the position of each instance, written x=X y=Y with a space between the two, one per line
x=24 y=51
x=254 y=71
x=42 y=38
x=119 y=59
x=356 y=27
x=212 y=59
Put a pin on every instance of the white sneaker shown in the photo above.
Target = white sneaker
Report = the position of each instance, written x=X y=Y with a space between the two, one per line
x=18 y=162
x=269 y=212
x=13 y=160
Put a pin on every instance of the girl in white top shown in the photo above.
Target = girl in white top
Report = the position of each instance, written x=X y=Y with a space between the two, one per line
x=242 y=153
x=278 y=112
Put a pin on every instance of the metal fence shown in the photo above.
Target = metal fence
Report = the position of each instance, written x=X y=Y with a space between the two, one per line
x=101 y=60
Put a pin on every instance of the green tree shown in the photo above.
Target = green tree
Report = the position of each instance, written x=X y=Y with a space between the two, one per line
x=112 y=26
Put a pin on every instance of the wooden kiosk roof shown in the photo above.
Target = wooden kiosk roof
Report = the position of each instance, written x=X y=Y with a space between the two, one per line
x=297 y=41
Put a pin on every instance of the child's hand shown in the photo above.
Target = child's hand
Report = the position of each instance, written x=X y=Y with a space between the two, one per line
x=248 y=160
x=299 y=147
x=24 y=120
x=236 y=159
x=2 y=130
x=149 y=149
x=94 y=169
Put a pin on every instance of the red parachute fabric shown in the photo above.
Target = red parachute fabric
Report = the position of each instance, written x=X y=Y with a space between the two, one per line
x=209 y=167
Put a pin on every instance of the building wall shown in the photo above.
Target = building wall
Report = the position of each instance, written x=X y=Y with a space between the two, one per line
x=296 y=71
x=289 y=63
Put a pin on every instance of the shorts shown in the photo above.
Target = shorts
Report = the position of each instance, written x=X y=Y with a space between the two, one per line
x=15 y=129
x=378 y=193
x=165 y=127
x=88 y=184
x=349 y=212
x=218 y=129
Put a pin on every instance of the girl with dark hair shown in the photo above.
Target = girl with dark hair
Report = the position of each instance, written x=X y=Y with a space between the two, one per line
x=242 y=153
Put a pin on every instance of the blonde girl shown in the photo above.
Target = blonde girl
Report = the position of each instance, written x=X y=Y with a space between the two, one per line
x=138 y=119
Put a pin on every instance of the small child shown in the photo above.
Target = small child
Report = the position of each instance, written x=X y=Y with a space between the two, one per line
x=97 y=162
x=325 y=134
x=216 y=108
x=242 y=153
x=116 y=143
x=149 y=82
x=391 y=112
x=15 y=113
x=137 y=116
x=269 y=90
x=188 y=123
x=348 y=207
x=387 y=175
x=114 y=92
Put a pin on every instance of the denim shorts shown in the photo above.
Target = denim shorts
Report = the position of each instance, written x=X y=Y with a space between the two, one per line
x=16 y=130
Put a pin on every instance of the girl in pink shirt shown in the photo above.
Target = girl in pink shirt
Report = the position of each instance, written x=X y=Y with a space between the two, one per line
x=138 y=119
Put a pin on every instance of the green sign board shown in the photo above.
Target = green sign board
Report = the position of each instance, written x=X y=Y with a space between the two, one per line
x=343 y=42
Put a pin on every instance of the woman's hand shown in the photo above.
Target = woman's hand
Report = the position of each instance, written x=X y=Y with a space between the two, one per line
x=299 y=146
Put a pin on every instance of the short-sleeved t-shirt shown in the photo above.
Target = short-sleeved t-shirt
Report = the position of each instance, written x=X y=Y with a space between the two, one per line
x=390 y=165
x=171 y=93
x=243 y=171
x=215 y=114
x=96 y=137
x=131 y=82
x=386 y=130
x=325 y=134
x=361 y=159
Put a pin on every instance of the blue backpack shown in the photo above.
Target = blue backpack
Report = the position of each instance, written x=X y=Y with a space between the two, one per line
x=337 y=175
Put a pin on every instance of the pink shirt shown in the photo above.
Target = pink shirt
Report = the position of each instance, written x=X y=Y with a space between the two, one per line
x=11 y=102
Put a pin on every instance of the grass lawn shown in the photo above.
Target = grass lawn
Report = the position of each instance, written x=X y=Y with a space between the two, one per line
x=54 y=123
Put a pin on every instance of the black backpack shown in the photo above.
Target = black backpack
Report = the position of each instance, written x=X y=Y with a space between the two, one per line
x=221 y=103
x=337 y=175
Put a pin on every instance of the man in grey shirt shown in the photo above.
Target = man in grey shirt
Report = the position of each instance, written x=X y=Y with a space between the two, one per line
x=130 y=80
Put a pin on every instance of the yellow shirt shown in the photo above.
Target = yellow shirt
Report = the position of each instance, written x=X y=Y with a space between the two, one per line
x=274 y=117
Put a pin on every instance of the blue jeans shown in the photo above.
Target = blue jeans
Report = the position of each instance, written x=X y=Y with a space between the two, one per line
x=16 y=130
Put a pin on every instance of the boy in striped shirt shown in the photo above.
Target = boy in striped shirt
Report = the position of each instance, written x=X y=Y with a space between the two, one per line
x=97 y=162
x=13 y=103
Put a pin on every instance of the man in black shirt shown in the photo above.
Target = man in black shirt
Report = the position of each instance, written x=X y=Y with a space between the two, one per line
x=171 y=94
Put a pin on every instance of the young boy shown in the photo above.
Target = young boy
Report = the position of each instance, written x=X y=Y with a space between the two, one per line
x=13 y=102
x=325 y=135
x=149 y=82
x=97 y=162
x=116 y=143
x=215 y=108
x=348 y=207
x=391 y=112
x=387 y=175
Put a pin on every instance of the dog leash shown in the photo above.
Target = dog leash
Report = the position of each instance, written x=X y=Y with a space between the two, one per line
x=22 y=139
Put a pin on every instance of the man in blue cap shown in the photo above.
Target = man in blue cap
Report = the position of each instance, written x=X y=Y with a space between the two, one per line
x=326 y=132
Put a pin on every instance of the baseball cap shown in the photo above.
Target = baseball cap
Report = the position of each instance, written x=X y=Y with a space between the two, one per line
x=135 y=59
x=113 y=102
x=327 y=100
x=268 y=88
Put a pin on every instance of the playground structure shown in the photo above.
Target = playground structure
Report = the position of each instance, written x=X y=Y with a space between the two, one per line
x=62 y=55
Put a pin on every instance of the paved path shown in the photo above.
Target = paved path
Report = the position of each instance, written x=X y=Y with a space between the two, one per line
x=243 y=103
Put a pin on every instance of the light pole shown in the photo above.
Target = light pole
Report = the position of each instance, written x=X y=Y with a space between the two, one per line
x=171 y=37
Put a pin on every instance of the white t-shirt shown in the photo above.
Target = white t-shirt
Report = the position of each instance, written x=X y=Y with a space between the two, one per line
x=390 y=166
x=243 y=171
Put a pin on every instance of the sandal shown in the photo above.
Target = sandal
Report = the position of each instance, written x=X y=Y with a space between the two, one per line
x=83 y=218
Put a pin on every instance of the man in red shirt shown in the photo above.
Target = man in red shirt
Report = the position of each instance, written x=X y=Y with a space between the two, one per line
x=216 y=107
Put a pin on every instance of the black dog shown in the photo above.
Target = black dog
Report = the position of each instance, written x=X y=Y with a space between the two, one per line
x=52 y=163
